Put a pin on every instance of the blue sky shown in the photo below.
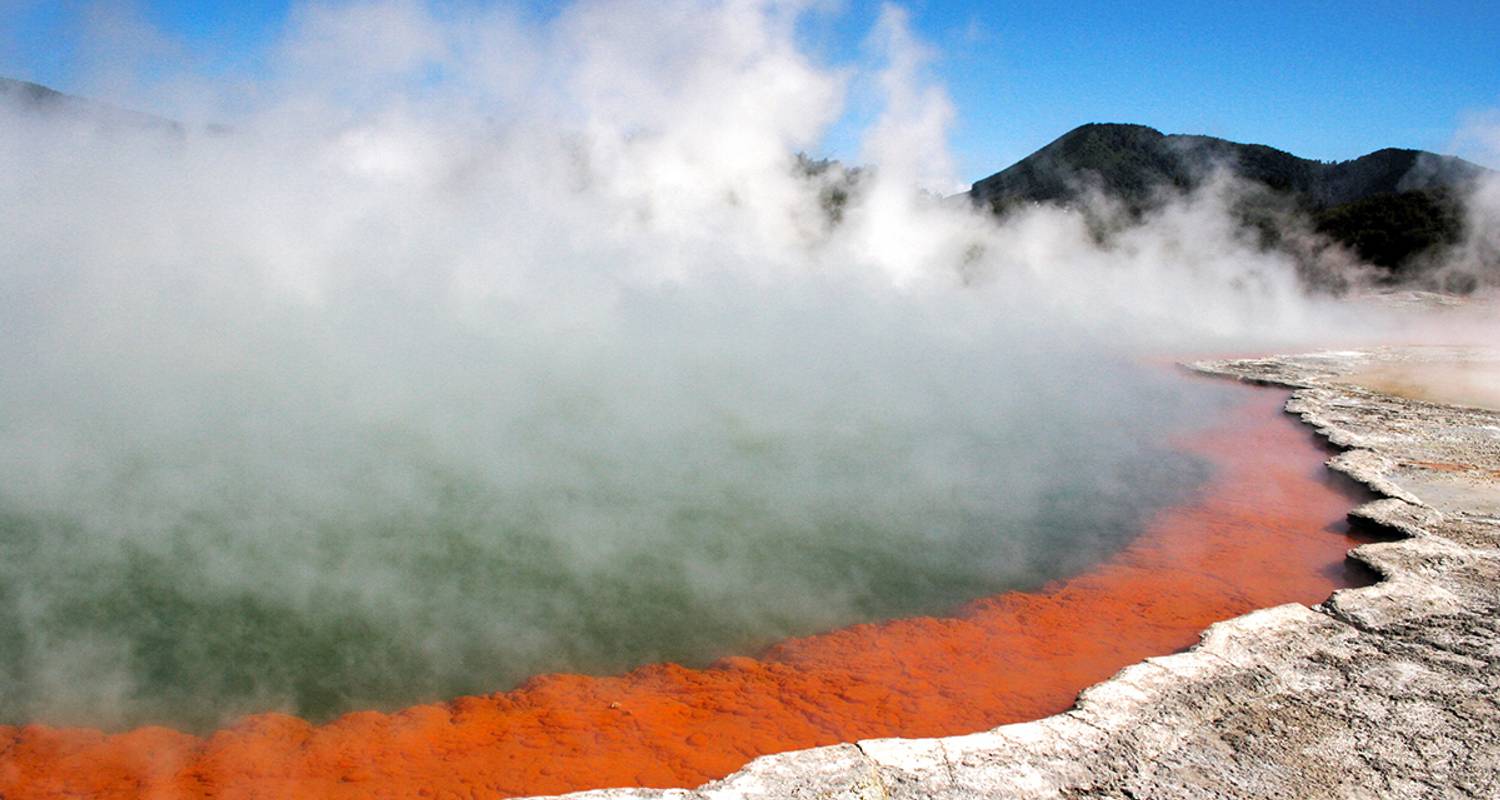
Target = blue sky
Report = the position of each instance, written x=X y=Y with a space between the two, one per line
x=1326 y=80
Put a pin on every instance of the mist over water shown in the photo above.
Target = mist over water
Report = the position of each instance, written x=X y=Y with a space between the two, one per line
x=479 y=347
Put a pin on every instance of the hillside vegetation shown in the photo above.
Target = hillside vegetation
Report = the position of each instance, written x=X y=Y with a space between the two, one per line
x=1394 y=209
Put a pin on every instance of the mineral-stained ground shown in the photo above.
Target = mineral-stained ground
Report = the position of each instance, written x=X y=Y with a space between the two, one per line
x=1390 y=690
x=1266 y=529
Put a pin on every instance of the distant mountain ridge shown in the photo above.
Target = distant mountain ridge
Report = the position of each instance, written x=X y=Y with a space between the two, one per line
x=1129 y=162
x=1396 y=209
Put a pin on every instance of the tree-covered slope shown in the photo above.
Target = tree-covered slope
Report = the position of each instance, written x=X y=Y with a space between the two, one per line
x=1133 y=162
x=1390 y=207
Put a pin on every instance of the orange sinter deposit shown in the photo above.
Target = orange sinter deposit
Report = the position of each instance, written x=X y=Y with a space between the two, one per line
x=1267 y=529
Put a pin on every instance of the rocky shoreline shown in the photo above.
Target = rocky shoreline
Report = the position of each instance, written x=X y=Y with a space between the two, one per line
x=1390 y=690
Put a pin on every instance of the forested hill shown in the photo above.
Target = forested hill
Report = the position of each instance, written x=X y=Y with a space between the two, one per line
x=1395 y=209
x=1390 y=207
x=1130 y=162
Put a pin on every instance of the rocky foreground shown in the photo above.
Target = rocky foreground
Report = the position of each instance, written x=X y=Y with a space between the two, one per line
x=1391 y=690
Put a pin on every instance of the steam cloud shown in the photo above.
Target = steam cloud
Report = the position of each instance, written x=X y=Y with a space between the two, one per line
x=476 y=345
x=1479 y=253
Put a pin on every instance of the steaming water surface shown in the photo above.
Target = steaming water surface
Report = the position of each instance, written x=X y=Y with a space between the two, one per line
x=189 y=579
x=479 y=345
x=400 y=388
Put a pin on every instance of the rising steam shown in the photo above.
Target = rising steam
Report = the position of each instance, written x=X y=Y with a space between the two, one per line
x=474 y=346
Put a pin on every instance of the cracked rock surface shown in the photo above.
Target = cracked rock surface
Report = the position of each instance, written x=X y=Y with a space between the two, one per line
x=1391 y=690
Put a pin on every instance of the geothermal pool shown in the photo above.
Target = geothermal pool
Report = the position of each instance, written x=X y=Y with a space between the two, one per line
x=1256 y=521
